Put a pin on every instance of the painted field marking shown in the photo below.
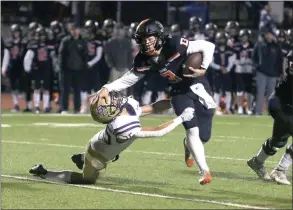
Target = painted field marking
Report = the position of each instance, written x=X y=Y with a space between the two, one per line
x=138 y=193
x=132 y=151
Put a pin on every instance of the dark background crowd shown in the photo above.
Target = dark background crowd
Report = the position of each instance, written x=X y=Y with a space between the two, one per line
x=50 y=50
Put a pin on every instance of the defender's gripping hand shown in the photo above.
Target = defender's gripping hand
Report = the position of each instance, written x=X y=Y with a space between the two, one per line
x=187 y=114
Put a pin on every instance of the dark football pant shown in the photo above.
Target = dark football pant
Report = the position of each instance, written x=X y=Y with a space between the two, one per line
x=28 y=86
x=91 y=81
x=211 y=78
x=71 y=79
x=203 y=116
x=283 y=125
x=42 y=79
x=223 y=82
x=15 y=78
x=244 y=82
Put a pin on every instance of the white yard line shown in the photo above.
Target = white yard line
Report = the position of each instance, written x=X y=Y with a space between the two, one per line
x=91 y=187
x=132 y=151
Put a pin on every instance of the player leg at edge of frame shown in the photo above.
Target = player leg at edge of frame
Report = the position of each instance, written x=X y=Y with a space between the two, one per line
x=93 y=164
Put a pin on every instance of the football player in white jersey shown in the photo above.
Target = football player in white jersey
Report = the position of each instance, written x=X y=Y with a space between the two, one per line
x=121 y=114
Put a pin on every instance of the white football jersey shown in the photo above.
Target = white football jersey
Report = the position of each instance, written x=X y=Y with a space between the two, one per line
x=118 y=134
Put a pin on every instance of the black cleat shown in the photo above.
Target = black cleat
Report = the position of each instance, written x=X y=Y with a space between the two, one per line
x=37 y=110
x=47 y=110
x=77 y=159
x=27 y=110
x=38 y=170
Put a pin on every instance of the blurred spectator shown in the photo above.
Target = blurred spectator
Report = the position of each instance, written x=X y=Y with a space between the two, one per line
x=42 y=54
x=12 y=65
x=195 y=29
x=266 y=19
x=118 y=53
x=95 y=50
x=176 y=31
x=198 y=8
x=285 y=47
x=73 y=64
x=210 y=31
x=106 y=35
x=267 y=58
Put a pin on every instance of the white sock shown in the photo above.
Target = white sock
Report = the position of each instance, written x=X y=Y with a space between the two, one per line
x=37 y=99
x=285 y=162
x=15 y=97
x=196 y=148
x=217 y=98
x=161 y=95
x=83 y=96
x=46 y=99
x=261 y=156
x=146 y=98
x=63 y=176
x=228 y=98
x=29 y=104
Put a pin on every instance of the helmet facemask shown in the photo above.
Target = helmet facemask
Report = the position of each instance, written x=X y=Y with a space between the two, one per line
x=148 y=45
x=105 y=113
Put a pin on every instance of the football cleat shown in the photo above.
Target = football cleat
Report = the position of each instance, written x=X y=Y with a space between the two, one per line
x=27 y=110
x=15 y=109
x=78 y=160
x=280 y=177
x=47 y=110
x=205 y=178
x=37 y=110
x=259 y=168
x=188 y=157
x=38 y=170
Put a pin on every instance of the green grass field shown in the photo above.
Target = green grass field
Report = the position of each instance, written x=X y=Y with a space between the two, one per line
x=150 y=174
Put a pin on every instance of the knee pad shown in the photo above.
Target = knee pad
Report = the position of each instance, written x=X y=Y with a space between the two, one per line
x=272 y=145
x=289 y=150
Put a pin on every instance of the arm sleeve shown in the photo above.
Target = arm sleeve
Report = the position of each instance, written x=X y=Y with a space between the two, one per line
x=60 y=54
x=207 y=48
x=28 y=60
x=215 y=66
x=157 y=133
x=255 y=55
x=97 y=58
x=127 y=80
x=231 y=62
x=6 y=59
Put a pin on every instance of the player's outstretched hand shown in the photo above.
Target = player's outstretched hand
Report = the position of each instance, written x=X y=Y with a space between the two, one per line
x=187 y=114
x=195 y=73
x=101 y=94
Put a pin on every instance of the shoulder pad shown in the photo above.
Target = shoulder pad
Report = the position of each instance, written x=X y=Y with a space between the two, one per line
x=124 y=123
x=140 y=64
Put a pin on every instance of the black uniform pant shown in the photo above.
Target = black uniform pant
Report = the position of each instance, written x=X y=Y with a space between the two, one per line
x=15 y=78
x=28 y=86
x=283 y=125
x=203 y=117
x=91 y=80
x=71 y=79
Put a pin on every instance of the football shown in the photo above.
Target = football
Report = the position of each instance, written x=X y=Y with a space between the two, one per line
x=193 y=60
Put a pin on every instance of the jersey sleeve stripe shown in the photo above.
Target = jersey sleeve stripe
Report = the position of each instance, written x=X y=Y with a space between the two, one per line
x=126 y=125
x=173 y=57
x=128 y=129
x=144 y=68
